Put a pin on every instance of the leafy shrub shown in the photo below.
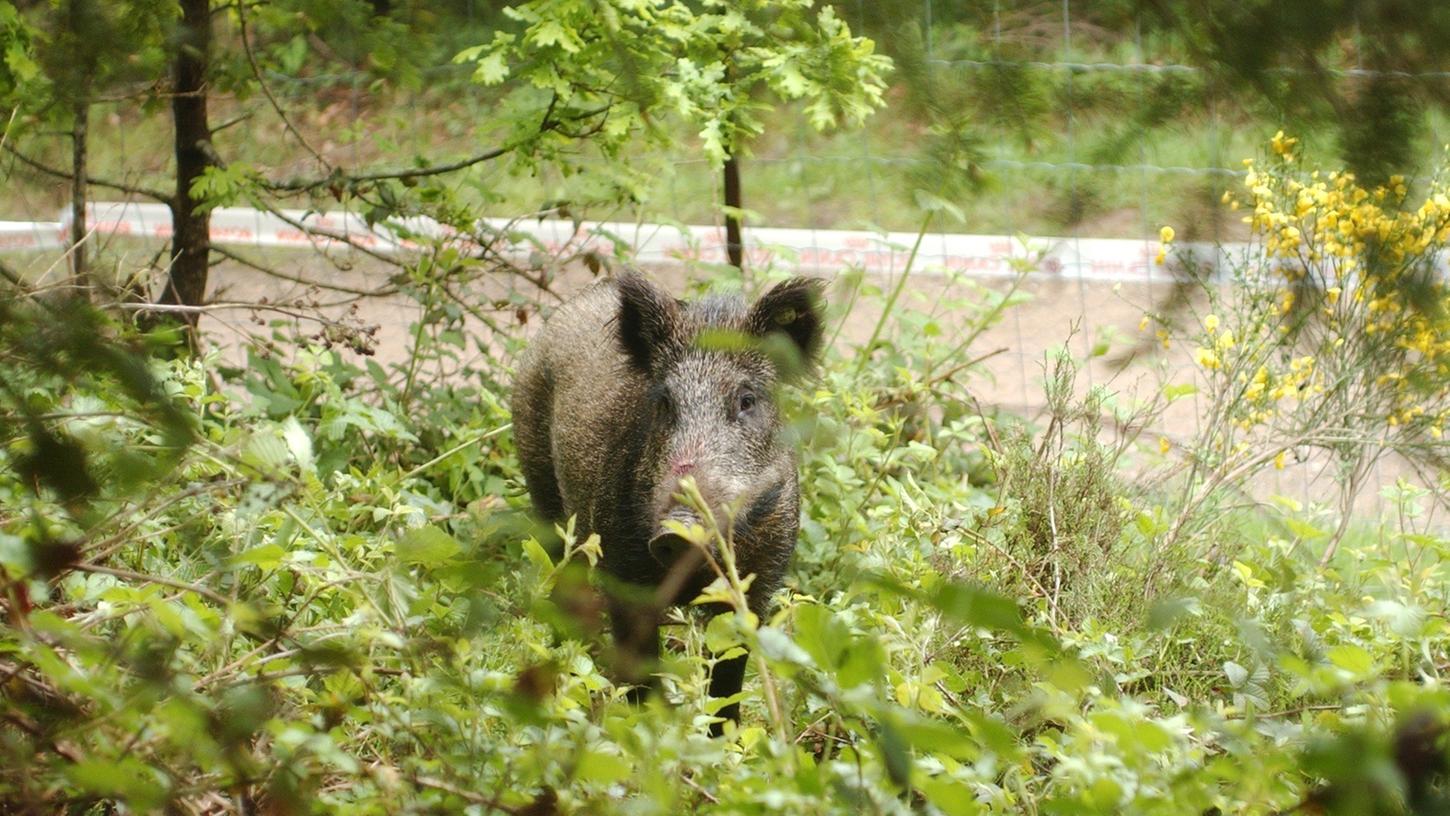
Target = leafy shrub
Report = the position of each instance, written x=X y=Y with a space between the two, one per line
x=318 y=594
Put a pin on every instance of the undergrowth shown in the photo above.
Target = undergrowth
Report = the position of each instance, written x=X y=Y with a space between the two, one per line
x=312 y=585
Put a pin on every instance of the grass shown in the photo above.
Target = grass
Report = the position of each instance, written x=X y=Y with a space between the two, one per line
x=1138 y=175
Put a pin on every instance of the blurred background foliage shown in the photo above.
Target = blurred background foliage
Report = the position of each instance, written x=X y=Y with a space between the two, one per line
x=295 y=572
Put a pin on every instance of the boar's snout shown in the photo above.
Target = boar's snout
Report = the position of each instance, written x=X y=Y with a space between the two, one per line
x=667 y=548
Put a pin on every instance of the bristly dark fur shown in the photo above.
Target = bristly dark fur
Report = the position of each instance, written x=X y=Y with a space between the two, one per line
x=648 y=325
x=618 y=396
x=794 y=309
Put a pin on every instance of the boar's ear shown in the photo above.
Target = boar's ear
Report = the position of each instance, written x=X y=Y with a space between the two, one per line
x=793 y=309
x=648 y=322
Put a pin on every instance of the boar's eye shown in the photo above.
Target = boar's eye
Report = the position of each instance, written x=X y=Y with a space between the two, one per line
x=663 y=405
x=745 y=403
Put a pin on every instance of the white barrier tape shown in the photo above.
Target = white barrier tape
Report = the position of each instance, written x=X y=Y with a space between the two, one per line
x=27 y=236
x=823 y=251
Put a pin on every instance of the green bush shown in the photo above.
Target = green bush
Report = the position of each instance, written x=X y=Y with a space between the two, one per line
x=311 y=586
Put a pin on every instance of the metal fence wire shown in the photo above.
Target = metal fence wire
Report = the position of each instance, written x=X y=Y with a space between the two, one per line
x=1093 y=148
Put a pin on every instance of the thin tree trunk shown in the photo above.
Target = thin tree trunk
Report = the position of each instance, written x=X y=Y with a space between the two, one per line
x=81 y=113
x=78 y=229
x=734 y=244
x=191 y=227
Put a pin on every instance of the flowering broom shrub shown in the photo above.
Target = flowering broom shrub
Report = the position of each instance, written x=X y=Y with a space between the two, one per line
x=1332 y=336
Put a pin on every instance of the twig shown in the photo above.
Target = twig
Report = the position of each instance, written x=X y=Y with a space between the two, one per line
x=306 y=671
x=328 y=234
x=180 y=308
x=695 y=786
x=334 y=287
x=128 y=575
x=468 y=795
x=267 y=92
x=455 y=449
x=91 y=180
x=894 y=296
x=340 y=178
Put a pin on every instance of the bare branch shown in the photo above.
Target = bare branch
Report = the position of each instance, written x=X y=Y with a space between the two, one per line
x=338 y=177
x=267 y=92
x=155 y=195
x=275 y=273
x=178 y=308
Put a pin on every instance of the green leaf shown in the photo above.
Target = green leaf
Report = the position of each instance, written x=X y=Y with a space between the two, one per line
x=979 y=607
x=1176 y=392
x=266 y=556
x=950 y=796
x=605 y=769
x=895 y=754
x=534 y=552
x=428 y=546
x=299 y=444
x=1352 y=659
x=1237 y=675
x=492 y=69
x=125 y=779
x=266 y=452
x=551 y=32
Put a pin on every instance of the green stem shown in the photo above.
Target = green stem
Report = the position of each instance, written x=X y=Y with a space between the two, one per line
x=417 y=341
x=895 y=293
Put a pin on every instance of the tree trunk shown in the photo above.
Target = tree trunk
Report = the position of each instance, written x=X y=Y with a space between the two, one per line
x=78 y=229
x=81 y=113
x=734 y=244
x=191 y=227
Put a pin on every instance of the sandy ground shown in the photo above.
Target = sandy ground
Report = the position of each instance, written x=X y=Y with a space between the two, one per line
x=1017 y=349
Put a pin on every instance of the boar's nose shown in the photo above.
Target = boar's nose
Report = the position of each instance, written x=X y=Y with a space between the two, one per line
x=667 y=548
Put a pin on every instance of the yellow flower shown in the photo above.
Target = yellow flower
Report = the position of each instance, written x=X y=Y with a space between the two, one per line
x=1206 y=358
x=1283 y=145
x=1279 y=461
x=1164 y=445
x=1143 y=324
x=1166 y=235
x=1160 y=257
x=1225 y=341
x=1332 y=294
x=1210 y=323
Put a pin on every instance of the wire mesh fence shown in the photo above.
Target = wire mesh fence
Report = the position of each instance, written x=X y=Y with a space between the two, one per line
x=1080 y=135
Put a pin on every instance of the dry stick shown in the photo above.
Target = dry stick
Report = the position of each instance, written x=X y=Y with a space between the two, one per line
x=695 y=786
x=328 y=234
x=5 y=134
x=978 y=330
x=1026 y=573
x=1347 y=495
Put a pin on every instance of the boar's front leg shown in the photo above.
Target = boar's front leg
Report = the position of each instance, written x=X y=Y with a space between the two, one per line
x=636 y=627
x=728 y=676
x=726 y=680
